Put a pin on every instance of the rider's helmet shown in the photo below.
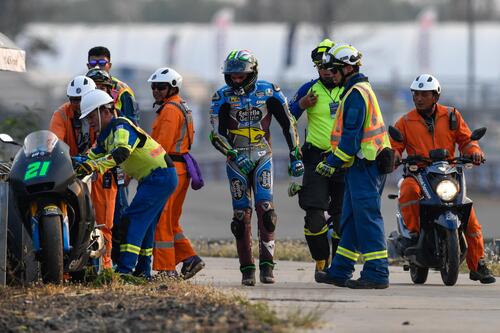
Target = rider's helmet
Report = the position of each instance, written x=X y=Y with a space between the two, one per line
x=341 y=55
x=239 y=62
x=166 y=75
x=426 y=82
x=317 y=53
x=79 y=86
x=93 y=100
x=100 y=76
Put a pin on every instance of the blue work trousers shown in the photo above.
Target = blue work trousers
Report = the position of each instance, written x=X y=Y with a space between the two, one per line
x=362 y=226
x=140 y=219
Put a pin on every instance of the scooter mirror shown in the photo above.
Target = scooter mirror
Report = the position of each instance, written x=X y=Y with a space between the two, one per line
x=8 y=139
x=395 y=134
x=478 y=133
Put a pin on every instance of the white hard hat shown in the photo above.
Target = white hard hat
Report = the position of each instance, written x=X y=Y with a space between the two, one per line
x=426 y=82
x=93 y=100
x=342 y=54
x=167 y=75
x=79 y=86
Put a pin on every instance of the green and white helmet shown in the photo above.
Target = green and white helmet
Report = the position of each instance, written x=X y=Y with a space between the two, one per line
x=341 y=55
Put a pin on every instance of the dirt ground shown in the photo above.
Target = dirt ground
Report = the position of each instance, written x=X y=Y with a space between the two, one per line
x=167 y=306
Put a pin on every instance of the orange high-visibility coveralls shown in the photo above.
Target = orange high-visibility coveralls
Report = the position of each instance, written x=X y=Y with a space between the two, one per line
x=103 y=199
x=419 y=140
x=174 y=131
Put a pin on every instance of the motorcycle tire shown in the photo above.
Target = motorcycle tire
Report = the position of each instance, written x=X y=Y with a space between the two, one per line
x=451 y=251
x=418 y=274
x=51 y=242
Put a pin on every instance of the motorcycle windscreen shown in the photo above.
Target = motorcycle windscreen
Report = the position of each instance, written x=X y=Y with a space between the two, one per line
x=39 y=143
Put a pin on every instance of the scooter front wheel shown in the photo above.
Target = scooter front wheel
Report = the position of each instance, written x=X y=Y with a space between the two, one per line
x=418 y=274
x=451 y=252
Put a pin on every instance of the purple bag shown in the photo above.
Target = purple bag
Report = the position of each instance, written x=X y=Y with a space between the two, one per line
x=194 y=172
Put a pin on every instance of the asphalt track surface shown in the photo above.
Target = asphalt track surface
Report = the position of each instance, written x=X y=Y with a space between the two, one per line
x=403 y=307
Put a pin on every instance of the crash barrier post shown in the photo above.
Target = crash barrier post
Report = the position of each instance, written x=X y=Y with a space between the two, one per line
x=4 y=204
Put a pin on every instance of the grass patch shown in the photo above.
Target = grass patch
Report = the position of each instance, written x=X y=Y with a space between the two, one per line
x=292 y=250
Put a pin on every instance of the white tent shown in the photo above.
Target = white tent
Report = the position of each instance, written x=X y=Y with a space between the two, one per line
x=11 y=57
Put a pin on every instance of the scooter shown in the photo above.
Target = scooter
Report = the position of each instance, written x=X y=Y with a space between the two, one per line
x=55 y=226
x=444 y=213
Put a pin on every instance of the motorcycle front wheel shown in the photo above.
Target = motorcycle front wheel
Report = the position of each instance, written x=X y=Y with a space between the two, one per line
x=451 y=256
x=51 y=242
x=418 y=274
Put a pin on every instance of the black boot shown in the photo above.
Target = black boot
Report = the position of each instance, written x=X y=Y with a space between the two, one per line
x=266 y=273
x=365 y=284
x=483 y=274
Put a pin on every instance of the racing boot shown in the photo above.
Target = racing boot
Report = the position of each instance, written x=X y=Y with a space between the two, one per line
x=266 y=273
x=483 y=274
x=248 y=275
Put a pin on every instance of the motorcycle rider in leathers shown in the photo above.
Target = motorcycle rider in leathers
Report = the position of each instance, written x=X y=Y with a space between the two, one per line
x=240 y=115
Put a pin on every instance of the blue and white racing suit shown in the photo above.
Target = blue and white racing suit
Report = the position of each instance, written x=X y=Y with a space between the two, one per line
x=241 y=126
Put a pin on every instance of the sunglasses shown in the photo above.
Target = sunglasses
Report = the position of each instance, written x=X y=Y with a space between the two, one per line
x=335 y=69
x=99 y=62
x=75 y=100
x=159 y=86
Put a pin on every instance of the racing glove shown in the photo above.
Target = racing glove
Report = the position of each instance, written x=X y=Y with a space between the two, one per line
x=242 y=161
x=293 y=189
x=295 y=167
x=325 y=169
x=85 y=168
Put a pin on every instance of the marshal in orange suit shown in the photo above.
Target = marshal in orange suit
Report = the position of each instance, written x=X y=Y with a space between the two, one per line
x=173 y=129
x=65 y=123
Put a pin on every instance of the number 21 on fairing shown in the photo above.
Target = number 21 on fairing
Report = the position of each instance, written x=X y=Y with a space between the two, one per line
x=37 y=169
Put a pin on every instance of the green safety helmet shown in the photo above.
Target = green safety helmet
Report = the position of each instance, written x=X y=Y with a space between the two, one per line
x=317 y=54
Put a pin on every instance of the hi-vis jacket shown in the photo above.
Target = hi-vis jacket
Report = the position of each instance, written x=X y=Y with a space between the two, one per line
x=358 y=129
x=124 y=144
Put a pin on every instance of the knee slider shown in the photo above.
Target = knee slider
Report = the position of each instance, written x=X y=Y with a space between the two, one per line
x=238 y=224
x=315 y=220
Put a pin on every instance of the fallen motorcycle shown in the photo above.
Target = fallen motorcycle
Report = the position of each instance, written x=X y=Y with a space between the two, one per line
x=51 y=229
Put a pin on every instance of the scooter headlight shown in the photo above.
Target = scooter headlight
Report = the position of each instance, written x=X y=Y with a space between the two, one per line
x=447 y=190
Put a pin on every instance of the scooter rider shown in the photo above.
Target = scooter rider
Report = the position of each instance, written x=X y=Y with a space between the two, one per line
x=122 y=143
x=320 y=98
x=240 y=115
x=434 y=126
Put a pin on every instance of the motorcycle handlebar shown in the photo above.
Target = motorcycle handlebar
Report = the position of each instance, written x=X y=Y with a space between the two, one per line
x=415 y=159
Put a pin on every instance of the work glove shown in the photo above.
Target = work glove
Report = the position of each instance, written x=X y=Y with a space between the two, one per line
x=295 y=167
x=86 y=168
x=242 y=161
x=324 y=169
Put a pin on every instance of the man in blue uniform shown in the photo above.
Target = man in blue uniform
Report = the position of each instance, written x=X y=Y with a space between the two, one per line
x=361 y=145
x=240 y=115
x=121 y=143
